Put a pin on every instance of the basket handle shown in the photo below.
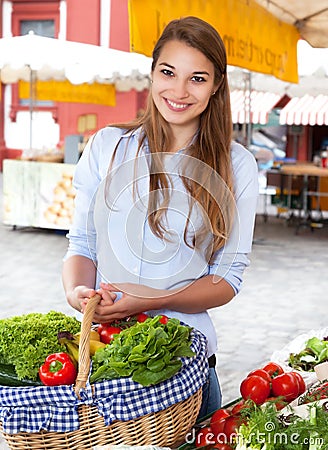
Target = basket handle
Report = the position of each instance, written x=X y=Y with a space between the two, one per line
x=84 y=346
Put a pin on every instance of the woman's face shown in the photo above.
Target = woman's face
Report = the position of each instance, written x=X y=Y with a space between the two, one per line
x=183 y=82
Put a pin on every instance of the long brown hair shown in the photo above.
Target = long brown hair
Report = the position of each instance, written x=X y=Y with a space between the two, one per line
x=211 y=145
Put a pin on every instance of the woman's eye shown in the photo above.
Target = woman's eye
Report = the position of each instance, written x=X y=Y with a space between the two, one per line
x=167 y=72
x=198 y=79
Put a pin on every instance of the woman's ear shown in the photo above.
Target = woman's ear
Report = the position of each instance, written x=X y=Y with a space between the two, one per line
x=218 y=85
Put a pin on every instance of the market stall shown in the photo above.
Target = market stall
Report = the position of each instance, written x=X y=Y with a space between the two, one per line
x=67 y=71
x=60 y=70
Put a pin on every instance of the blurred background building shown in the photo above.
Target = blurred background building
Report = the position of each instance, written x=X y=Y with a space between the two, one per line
x=275 y=119
x=278 y=121
x=102 y=23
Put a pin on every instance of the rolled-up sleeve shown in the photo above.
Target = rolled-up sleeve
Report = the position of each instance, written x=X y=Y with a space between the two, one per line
x=231 y=260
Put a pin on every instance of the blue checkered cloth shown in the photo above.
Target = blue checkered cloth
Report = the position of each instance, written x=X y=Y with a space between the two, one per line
x=55 y=409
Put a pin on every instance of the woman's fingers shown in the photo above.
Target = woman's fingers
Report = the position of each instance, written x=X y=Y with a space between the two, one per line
x=117 y=287
x=107 y=296
x=131 y=289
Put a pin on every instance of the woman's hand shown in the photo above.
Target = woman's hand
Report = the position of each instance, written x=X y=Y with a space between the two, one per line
x=81 y=295
x=135 y=299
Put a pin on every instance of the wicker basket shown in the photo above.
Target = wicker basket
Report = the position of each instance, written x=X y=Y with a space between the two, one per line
x=166 y=428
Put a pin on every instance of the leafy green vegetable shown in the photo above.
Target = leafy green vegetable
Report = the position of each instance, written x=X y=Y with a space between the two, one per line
x=266 y=429
x=26 y=340
x=147 y=351
x=315 y=352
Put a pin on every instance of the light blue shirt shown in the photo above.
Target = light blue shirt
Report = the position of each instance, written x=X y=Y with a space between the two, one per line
x=110 y=224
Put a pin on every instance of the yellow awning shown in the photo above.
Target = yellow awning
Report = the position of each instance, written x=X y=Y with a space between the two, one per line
x=64 y=91
x=255 y=39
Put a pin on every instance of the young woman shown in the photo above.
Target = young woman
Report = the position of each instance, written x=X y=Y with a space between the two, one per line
x=165 y=205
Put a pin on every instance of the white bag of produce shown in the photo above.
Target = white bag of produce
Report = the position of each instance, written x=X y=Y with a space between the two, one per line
x=296 y=346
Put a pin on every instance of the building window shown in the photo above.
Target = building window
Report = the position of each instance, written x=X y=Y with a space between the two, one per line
x=40 y=27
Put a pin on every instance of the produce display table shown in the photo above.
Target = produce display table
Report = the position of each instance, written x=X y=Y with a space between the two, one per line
x=306 y=171
x=299 y=183
x=38 y=194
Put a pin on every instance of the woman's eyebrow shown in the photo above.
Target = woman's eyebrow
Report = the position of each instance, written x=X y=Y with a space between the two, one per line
x=201 y=72
x=166 y=64
x=197 y=72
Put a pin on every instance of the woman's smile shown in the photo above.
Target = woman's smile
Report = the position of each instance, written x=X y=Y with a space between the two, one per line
x=175 y=105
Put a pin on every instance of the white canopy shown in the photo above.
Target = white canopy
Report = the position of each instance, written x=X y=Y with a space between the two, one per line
x=77 y=62
x=310 y=17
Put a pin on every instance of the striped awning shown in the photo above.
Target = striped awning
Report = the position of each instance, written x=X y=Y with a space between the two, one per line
x=306 y=110
x=260 y=105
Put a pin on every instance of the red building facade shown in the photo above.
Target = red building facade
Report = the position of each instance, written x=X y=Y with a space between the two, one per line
x=98 y=22
x=2 y=141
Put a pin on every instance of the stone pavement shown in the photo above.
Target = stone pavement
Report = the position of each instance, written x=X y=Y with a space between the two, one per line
x=283 y=294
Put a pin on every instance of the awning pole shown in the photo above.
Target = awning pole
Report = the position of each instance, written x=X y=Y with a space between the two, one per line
x=31 y=106
x=32 y=103
x=248 y=108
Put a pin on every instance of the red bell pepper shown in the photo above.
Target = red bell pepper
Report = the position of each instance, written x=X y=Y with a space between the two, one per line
x=58 y=369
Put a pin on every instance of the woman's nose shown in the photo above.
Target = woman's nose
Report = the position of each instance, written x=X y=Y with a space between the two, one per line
x=180 y=89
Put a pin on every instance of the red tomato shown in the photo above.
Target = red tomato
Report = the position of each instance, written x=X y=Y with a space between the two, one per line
x=301 y=382
x=141 y=317
x=164 y=319
x=231 y=425
x=286 y=386
x=256 y=388
x=261 y=373
x=107 y=331
x=273 y=369
x=238 y=407
x=218 y=419
x=204 y=436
